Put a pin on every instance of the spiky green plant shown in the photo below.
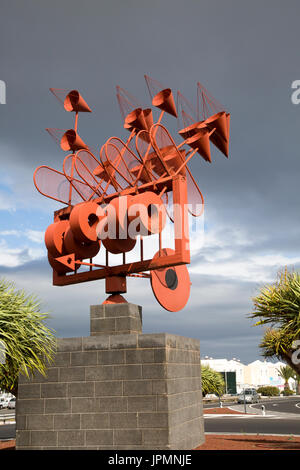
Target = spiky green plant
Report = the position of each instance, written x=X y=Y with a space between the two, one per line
x=212 y=381
x=286 y=373
x=29 y=343
x=278 y=305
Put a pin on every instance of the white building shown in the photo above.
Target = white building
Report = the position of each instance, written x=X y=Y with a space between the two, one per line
x=256 y=374
x=261 y=373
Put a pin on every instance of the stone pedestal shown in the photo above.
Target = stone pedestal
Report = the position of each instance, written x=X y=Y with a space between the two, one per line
x=116 y=389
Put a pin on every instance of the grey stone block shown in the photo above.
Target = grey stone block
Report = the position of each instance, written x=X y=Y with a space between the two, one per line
x=95 y=421
x=71 y=438
x=53 y=390
x=97 y=311
x=40 y=422
x=139 y=356
x=163 y=403
x=22 y=438
x=160 y=355
x=109 y=388
x=137 y=387
x=29 y=390
x=72 y=374
x=81 y=389
x=123 y=310
x=103 y=326
x=117 y=391
x=113 y=404
x=133 y=437
x=154 y=371
x=63 y=359
x=51 y=376
x=143 y=403
x=115 y=319
x=99 y=437
x=26 y=407
x=121 y=341
x=128 y=325
x=179 y=385
x=182 y=342
x=159 y=387
x=85 y=405
x=57 y=405
x=179 y=370
x=91 y=343
x=69 y=344
x=43 y=438
x=153 y=420
x=67 y=421
x=123 y=420
x=99 y=373
x=21 y=421
x=111 y=357
x=157 y=340
x=156 y=437
x=86 y=358
x=128 y=372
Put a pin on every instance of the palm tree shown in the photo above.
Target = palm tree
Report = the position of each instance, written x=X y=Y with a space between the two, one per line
x=212 y=381
x=286 y=373
x=278 y=305
x=28 y=343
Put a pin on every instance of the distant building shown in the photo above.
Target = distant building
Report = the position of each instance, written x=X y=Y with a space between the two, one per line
x=256 y=374
x=260 y=373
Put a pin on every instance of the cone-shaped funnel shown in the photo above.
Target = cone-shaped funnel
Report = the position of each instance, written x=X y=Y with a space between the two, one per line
x=135 y=120
x=74 y=102
x=200 y=141
x=192 y=129
x=228 y=128
x=148 y=116
x=220 y=143
x=72 y=141
x=219 y=122
x=164 y=100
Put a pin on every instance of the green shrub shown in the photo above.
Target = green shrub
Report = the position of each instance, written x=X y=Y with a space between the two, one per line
x=212 y=381
x=287 y=392
x=269 y=391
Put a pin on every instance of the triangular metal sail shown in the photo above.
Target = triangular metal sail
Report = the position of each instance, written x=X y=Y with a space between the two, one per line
x=187 y=114
x=207 y=105
x=127 y=102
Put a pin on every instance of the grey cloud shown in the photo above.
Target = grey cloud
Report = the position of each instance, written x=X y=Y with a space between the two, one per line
x=245 y=53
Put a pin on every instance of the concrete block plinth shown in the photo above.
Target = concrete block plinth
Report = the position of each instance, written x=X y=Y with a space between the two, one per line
x=115 y=390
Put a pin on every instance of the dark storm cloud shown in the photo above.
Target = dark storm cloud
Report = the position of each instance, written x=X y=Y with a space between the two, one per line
x=245 y=53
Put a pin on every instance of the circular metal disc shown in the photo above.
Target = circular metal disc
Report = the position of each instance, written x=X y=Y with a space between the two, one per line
x=171 y=286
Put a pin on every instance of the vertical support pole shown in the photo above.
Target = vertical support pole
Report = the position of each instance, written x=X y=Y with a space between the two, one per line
x=181 y=226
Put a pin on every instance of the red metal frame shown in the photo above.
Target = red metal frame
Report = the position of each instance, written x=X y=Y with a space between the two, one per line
x=182 y=252
x=158 y=170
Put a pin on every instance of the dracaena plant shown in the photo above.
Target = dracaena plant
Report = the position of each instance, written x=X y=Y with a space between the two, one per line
x=29 y=344
x=277 y=306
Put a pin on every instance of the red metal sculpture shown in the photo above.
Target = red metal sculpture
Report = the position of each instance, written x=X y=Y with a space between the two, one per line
x=113 y=202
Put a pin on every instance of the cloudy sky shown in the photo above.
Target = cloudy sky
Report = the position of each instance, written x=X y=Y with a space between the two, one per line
x=247 y=55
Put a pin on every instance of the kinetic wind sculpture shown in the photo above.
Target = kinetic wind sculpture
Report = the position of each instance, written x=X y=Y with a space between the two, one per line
x=113 y=202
